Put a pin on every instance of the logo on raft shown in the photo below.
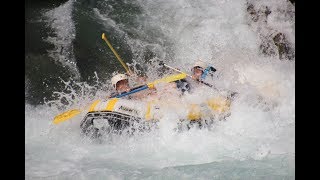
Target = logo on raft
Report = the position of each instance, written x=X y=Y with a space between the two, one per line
x=130 y=110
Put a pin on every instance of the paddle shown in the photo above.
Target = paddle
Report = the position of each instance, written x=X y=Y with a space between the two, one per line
x=65 y=116
x=167 y=79
x=72 y=113
x=104 y=37
x=129 y=72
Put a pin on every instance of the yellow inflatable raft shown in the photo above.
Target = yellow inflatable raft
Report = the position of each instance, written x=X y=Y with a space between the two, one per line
x=116 y=114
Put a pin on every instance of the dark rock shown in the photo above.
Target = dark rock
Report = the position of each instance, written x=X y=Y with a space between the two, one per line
x=284 y=50
x=261 y=13
x=252 y=12
x=266 y=48
x=270 y=45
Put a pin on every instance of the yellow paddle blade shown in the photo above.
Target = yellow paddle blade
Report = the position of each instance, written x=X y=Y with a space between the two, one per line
x=171 y=78
x=168 y=79
x=103 y=36
x=65 y=116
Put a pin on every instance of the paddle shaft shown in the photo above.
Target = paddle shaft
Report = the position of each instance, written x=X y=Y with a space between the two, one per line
x=104 y=37
x=176 y=69
x=168 y=79
x=134 y=90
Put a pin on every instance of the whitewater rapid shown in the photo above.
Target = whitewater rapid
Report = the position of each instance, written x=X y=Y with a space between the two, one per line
x=256 y=141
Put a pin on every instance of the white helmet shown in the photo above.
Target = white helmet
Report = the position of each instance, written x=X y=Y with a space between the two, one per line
x=117 y=78
x=199 y=63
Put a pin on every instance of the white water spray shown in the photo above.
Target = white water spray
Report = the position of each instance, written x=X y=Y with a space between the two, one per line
x=262 y=121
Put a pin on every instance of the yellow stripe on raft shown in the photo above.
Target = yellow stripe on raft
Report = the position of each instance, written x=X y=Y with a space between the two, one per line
x=195 y=112
x=93 y=105
x=219 y=104
x=111 y=104
x=148 y=113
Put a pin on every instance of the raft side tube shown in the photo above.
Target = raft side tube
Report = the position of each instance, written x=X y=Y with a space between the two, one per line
x=107 y=121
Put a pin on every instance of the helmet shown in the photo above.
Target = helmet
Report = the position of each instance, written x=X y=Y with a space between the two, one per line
x=199 y=63
x=118 y=78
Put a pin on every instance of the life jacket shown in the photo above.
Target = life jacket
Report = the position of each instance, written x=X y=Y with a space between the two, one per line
x=206 y=71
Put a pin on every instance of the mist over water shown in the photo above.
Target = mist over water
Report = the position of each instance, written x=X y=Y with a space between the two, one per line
x=253 y=52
